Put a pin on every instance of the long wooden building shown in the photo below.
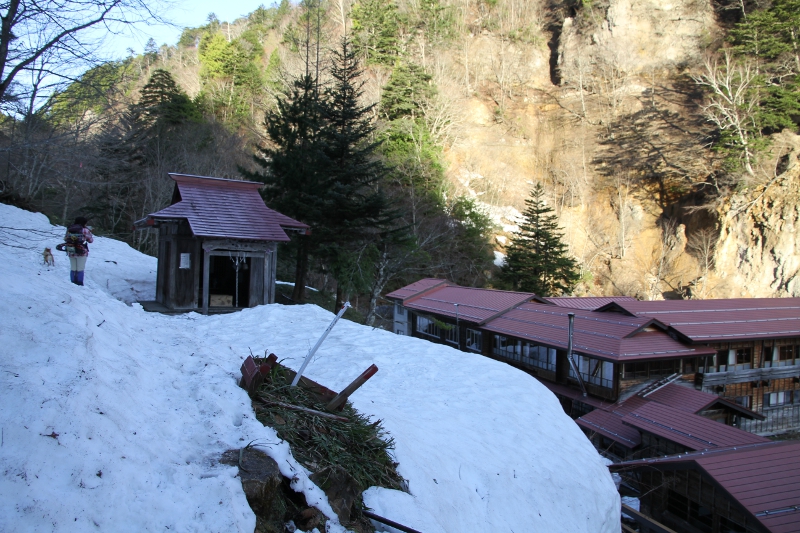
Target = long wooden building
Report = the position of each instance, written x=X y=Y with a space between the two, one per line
x=746 y=351
x=217 y=245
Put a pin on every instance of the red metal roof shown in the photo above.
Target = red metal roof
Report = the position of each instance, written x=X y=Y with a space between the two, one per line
x=626 y=406
x=416 y=288
x=604 y=335
x=695 y=432
x=610 y=425
x=587 y=302
x=692 y=400
x=473 y=305
x=608 y=419
x=222 y=208
x=763 y=478
x=685 y=398
x=572 y=393
x=721 y=320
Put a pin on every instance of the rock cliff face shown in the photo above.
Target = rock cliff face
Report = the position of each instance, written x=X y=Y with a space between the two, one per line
x=758 y=253
x=617 y=83
x=635 y=36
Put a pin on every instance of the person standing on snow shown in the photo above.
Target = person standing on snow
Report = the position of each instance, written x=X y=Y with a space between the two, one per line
x=77 y=238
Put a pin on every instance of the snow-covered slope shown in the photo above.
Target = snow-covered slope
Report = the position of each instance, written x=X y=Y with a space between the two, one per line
x=112 y=418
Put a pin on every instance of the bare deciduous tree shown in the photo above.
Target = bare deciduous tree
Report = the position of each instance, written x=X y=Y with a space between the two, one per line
x=31 y=29
x=703 y=245
x=732 y=103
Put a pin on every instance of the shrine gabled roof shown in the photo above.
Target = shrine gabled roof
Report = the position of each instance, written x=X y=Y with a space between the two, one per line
x=223 y=208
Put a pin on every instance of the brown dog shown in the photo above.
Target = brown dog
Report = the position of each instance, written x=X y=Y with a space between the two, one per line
x=48 y=258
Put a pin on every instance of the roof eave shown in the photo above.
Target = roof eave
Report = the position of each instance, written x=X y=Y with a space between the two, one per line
x=427 y=290
x=652 y=322
x=752 y=415
x=614 y=307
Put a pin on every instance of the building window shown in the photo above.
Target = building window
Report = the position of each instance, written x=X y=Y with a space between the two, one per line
x=664 y=368
x=451 y=334
x=542 y=357
x=787 y=354
x=634 y=370
x=776 y=399
x=783 y=356
x=744 y=358
x=426 y=326
x=706 y=364
x=735 y=359
x=722 y=360
x=474 y=340
x=594 y=371
x=508 y=348
x=399 y=310
x=744 y=401
x=501 y=346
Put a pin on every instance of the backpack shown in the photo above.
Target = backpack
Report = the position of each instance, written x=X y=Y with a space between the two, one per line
x=75 y=240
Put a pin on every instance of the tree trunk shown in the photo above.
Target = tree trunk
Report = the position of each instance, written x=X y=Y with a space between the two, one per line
x=377 y=287
x=341 y=297
x=299 y=292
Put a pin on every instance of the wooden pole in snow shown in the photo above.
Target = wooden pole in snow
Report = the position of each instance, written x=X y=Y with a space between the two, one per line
x=313 y=350
x=341 y=398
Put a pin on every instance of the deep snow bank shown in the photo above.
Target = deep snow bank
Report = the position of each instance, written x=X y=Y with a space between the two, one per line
x=113 y=418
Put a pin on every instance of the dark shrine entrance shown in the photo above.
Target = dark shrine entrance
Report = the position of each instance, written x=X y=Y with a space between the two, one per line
x=229 y=281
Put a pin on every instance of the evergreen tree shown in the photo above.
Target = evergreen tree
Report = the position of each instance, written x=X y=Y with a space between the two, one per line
x=163 y=102
x=355 y=207
x=376 y=31
x=294 y=167
x=408 y=86
x=537 y=259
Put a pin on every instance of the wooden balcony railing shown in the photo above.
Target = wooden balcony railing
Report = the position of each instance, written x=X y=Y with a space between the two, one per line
x=711 y=379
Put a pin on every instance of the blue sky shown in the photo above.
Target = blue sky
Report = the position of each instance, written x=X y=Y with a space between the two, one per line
x=184 y=14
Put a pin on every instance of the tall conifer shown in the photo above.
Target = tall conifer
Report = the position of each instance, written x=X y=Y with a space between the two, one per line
x=294 y=168
x=356 y=208
x=537 y=259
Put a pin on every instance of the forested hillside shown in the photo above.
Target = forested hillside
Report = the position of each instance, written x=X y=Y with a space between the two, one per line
x=664 y=138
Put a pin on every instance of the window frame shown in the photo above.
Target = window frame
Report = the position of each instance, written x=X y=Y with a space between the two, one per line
x=429 y=324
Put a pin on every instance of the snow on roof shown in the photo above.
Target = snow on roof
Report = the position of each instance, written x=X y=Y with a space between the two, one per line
x=112 y=415
x=216 y=207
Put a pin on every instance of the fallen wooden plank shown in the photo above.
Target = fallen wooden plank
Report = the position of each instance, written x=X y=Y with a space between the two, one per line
x=646 y=521
x=388 y=522
x=338 y=402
